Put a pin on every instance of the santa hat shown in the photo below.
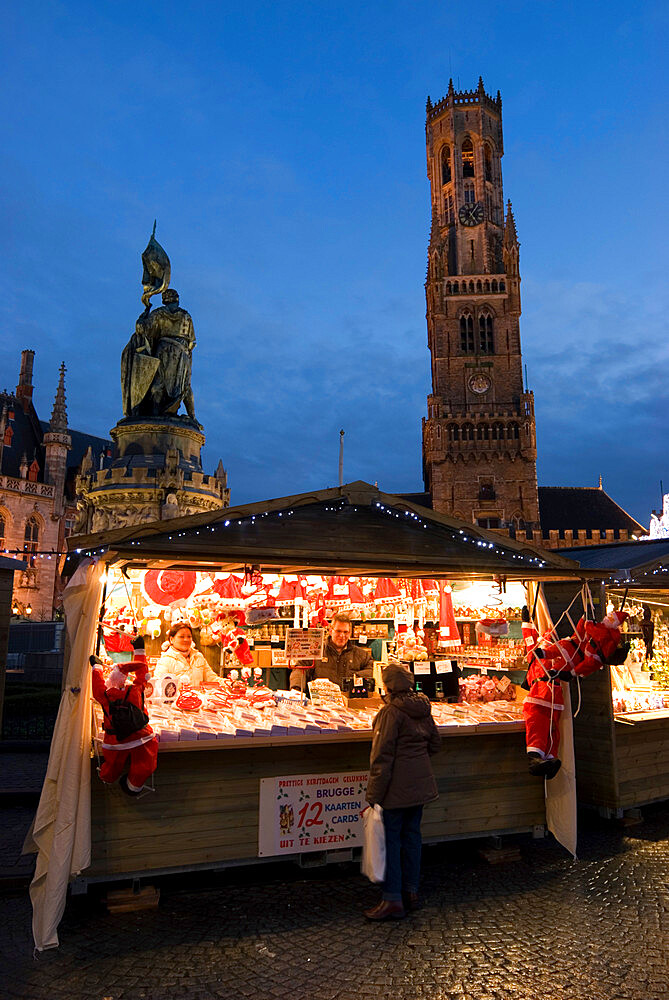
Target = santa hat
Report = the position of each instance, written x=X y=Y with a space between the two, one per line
x=615 y=619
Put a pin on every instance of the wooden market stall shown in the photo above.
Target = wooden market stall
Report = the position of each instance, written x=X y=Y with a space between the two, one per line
x=207 y=809
x=622 y=754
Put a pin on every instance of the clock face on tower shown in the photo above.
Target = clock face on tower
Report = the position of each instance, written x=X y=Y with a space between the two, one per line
x=471 y=215
x=479 y=383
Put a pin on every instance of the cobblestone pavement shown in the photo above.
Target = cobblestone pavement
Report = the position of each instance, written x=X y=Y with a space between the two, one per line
x=542 y=927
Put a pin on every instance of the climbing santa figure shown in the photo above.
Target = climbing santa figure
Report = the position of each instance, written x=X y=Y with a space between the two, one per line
x=551 y=661
x=128 y=738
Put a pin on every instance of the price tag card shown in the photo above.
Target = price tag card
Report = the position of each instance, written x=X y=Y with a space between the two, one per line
x=304 y=643
x=421 y=668
x=503 y=683
x=275 y=638
x=484 y=671
x=443 y=666
x=362 y=639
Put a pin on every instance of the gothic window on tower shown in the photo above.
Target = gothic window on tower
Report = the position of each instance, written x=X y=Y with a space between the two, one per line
x=467 y=158
x=446 y=165
x=467 y=432
x=3 y=530
x=488 y=522
x=487 y=156
x=470 y=195
x=486 y=342
x=453 y=432
x=486 y=491
x=31 y=540
x=449 y=216
x=514 y=431
x=483 y=432
x=467 y=334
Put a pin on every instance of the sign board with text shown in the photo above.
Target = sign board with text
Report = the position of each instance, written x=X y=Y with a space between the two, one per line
x=304 y=643
x=311 y=812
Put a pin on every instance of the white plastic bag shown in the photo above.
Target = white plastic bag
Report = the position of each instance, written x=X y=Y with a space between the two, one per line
x=373 y=863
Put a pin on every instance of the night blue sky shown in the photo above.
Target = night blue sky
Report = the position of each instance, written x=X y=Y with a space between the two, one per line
x=281 y=147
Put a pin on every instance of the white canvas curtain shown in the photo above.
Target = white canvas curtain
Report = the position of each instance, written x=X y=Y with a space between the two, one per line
x=561 y=790
x=61 y=832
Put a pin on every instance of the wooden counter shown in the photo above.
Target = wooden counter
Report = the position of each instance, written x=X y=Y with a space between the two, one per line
x=204 y=812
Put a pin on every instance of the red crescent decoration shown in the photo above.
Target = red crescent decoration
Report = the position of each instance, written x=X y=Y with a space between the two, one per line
x=163 y=587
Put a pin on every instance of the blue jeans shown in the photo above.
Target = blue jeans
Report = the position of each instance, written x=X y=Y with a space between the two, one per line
x=403 y=847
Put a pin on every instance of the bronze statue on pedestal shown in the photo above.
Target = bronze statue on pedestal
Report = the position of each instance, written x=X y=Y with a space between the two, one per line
x=156 y=362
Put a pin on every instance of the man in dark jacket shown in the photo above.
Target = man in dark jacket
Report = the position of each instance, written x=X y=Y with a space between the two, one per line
x=401 y=781
x=342 y=659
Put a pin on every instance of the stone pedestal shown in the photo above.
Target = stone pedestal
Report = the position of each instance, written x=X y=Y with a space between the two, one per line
x=156 y=474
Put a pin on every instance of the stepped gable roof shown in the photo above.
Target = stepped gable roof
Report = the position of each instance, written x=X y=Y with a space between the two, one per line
x=355 y=529
x=27 y=434
x=587 y=508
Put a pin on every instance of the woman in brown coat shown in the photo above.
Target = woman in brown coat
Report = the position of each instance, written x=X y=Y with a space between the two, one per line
x=401 y=781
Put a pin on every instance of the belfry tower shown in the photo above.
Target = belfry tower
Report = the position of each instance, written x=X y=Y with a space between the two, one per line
x=479 y=441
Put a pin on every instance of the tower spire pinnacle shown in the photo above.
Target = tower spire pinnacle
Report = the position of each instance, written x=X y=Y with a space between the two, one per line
x=58 y=422
x=510 y=234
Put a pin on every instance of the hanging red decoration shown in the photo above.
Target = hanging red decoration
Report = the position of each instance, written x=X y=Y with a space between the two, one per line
x=448 y=628
x=229 y=589
x=166 y=586
x=386 y=592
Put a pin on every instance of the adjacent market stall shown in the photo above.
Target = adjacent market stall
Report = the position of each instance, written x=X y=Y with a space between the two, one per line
x=621 y=733
x=266 y=775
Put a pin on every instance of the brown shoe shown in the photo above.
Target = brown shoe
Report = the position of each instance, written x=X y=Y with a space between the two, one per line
x=387 y=909
x=411 y=901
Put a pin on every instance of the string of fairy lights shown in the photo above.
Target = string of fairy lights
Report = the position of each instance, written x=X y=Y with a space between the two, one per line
x=34 y=553
x=458 y=535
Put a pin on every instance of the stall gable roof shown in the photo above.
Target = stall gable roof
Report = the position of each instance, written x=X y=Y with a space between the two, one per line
x=355 y=527
x=631 y=560
x=13 y=564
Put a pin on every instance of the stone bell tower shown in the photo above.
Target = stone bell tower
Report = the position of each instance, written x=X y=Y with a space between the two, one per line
x=479 y=441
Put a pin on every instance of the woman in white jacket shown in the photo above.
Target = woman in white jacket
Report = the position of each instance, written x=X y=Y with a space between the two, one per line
x=182 y=660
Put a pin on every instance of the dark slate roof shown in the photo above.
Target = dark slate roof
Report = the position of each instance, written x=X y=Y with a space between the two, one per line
x=26 y=439
x=621 y=555
x=80 y=445
x=587 y=508
x=353 y=529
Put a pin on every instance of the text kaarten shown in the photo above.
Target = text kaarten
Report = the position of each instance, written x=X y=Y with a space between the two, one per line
x=311 y=812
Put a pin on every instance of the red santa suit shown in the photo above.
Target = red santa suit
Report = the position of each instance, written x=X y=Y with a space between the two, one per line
x=140 y=749
x=544 y=703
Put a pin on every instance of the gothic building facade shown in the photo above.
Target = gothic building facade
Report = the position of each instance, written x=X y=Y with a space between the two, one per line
x=38 y=464
x=479 y=441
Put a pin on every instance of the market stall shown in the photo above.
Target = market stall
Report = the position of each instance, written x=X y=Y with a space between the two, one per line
x=246 y=768
x=621 y=732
